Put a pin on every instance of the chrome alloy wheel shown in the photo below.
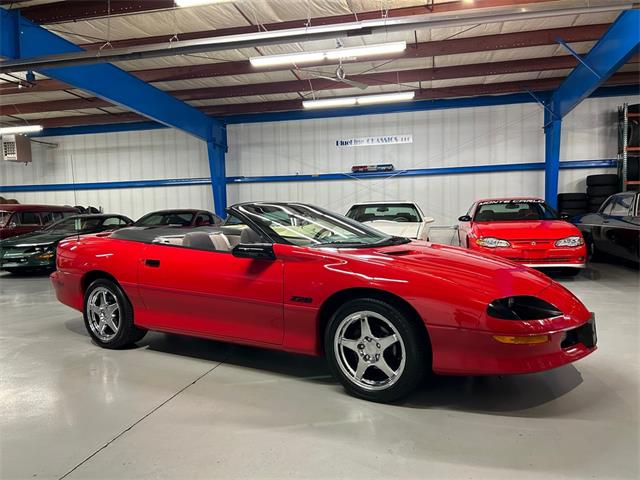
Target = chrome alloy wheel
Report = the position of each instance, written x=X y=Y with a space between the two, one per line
x=103 y=312
x=369 y=350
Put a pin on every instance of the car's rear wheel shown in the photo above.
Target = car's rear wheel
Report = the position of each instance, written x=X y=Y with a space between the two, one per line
x=375 y=350
x=108 y=315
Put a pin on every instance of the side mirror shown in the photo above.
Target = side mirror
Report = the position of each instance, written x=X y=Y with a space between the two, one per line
x=258 y=251
x=12 y=225
x=565 y=217
x=464 y=218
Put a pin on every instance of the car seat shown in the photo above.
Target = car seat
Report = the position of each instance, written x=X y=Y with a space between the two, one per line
x=485 y=216
x=198 y=241
x=249 y=236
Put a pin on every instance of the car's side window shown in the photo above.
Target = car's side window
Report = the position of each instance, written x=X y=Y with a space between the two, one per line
x=606 y=208
x=113 y=222
x=29 y=218
x=621 y=205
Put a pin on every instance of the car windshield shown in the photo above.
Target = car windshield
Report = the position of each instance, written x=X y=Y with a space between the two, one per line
x=182 y=219
x=306 y=225
x=405 y=212
x=4 y=218
x=514 y=211
x=74 y=224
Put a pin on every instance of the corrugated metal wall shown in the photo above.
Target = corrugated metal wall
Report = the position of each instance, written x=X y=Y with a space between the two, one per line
x=441 y=138
x=110 y=157
x=457 y=137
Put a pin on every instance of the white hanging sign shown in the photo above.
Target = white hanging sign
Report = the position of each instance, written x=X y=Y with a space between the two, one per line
x=374 y=141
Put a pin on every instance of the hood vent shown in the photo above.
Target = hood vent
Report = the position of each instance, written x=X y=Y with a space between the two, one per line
x=400 y=253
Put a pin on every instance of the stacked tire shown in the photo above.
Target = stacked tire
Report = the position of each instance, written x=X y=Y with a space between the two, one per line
x=572 y=203
x=599 y=188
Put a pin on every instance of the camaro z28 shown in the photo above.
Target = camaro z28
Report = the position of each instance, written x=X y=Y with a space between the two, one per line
x=383 y=310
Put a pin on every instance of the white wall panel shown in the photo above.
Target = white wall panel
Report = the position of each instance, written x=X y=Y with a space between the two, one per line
x=112 y=157
x=456 y=137
x=441 y=138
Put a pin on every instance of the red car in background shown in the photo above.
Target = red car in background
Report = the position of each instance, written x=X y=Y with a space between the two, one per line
x=523 y=230
x=382 y=309
x=18 y=219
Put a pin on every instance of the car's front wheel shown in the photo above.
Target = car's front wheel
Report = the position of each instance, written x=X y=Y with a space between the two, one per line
x=108 y=315
x=375 y=350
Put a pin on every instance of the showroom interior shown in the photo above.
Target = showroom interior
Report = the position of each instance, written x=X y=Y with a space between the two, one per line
x=201 y=171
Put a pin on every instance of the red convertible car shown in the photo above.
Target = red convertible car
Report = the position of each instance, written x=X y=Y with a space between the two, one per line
x=523 y=230
x=382 y=309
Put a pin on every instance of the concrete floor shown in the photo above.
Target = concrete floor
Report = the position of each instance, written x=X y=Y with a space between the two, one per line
x=185 y=408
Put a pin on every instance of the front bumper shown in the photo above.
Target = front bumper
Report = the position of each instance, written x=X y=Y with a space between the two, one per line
x=475 y=352
x=540 y=256
x=26 y=262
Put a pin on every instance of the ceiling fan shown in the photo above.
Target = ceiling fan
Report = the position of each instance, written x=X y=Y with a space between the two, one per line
x=339 y=76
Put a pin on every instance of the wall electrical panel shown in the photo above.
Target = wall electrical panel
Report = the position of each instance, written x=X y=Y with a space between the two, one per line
x=16 y=148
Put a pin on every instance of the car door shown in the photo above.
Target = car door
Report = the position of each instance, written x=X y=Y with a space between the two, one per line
x=211 y=293
x=598 y=228
x=620 y=231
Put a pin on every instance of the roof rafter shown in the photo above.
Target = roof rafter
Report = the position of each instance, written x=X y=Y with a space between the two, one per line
x=421 y=50
x=426 y=94
x=317 y=84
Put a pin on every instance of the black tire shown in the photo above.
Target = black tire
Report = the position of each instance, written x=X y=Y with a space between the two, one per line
x=572 y=204
x=633 y=168
x=602 y=190
x=417 y=354
x=608 y=179
x=596 y=201
x=572 y=197
x=593 y=254
x=127 y=333
x=573 y=212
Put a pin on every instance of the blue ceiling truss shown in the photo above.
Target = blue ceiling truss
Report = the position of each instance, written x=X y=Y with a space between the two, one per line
x=24 y=39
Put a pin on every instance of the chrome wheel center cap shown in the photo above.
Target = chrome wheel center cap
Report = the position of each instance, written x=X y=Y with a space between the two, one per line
x=369 y=350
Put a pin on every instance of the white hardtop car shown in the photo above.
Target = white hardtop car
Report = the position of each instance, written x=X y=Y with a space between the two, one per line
x=402 y=219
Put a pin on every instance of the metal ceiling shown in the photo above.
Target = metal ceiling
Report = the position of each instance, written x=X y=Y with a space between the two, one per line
x=486 y=58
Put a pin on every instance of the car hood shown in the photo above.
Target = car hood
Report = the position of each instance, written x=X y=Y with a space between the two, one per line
x=488 y=275
x=527 y=230
x=33 y=239
x=400 y=229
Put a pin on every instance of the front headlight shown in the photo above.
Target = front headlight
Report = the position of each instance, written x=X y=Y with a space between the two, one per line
x=522 y=307
x=491 y=242
x=574 y=241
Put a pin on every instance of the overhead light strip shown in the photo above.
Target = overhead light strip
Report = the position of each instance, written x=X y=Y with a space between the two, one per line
x=21 y=129
x=359 y=100
x=335 y=54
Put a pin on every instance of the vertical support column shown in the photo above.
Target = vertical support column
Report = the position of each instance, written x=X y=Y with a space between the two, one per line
x=216 y=150
x=552 y=132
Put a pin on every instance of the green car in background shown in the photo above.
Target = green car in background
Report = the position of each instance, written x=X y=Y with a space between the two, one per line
x=37 y=250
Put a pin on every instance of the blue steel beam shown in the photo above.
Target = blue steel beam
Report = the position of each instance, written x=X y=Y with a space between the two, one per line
x=414 y=172
x=615 y=47
x=23 y=39
x=552 y=135
x=104 y=81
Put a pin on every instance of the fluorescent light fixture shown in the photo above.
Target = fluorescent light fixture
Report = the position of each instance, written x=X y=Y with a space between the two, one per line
x=330 y=102
x=335 y=54
x=366 y=50
x=386 y=98
x=288 y=59
x=361 y=100
x=197 y=3
x=21 y=129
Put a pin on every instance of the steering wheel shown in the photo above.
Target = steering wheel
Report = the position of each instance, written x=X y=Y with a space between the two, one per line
x=400 y=219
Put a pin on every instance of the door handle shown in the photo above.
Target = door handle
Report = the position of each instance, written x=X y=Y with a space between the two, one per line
x=149 y=262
